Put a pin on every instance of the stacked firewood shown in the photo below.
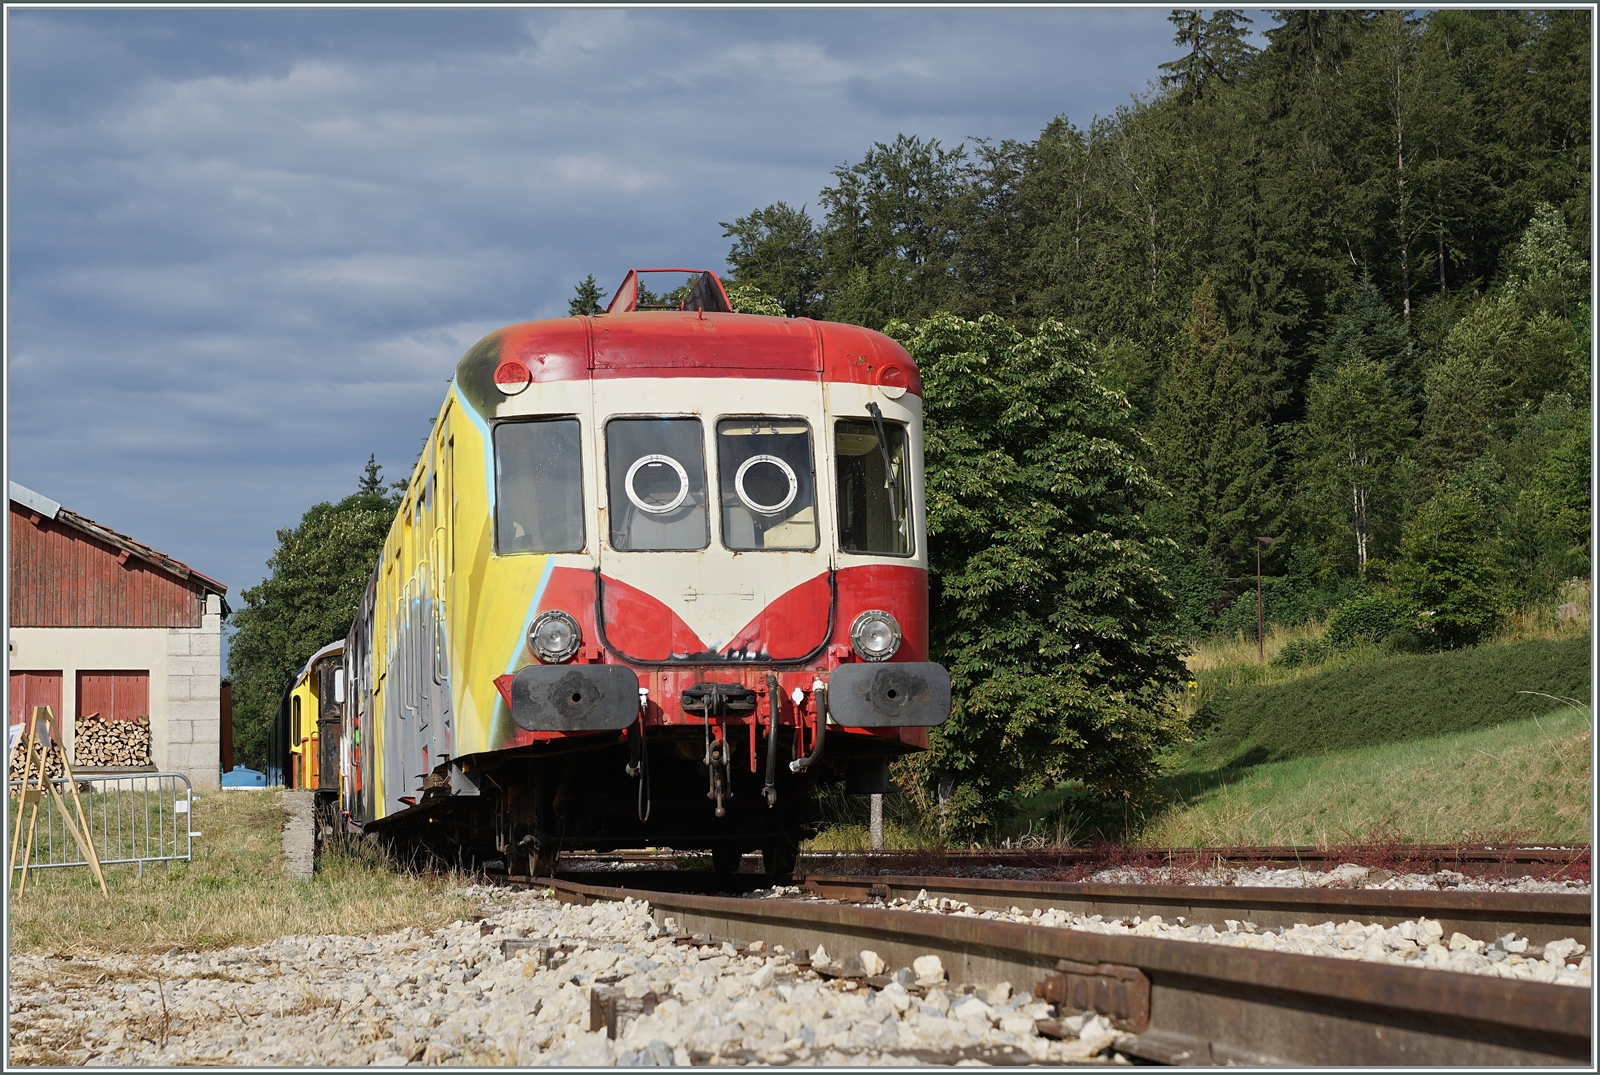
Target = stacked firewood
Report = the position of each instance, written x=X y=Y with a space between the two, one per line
x=109 y=744
x=53 y=762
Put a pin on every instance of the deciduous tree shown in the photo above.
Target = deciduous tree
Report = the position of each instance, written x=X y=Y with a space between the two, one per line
x=777 y=251
x=891 y=231
x=318 y=573
x=1356 y=438
x=1451 y=571
x=1047 y=606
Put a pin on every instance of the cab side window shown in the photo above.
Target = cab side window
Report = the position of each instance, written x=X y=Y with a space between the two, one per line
x=874 y=508
x=538 y=470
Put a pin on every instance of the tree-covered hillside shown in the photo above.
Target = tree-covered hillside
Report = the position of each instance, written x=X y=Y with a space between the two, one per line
x=1342 y=283
x=1342 y=280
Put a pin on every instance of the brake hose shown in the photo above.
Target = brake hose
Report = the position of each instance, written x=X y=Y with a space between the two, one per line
x=888 y=465
x=770 y=792
x=819 y=701
x=639 y=764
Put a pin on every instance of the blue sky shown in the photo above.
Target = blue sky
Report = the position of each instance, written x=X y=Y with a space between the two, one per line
x=247 y=247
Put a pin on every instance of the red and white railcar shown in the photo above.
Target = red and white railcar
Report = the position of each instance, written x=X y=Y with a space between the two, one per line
x=659 y=573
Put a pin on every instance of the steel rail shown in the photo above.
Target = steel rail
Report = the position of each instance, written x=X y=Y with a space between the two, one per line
x=1476 y=860
x=1540 y=916
x=1228 y=855
x=1179 y=1001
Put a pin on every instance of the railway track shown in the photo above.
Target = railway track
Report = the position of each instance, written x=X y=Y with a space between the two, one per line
x=1541 y=917
x=1544 y=863
x=1177 y=1001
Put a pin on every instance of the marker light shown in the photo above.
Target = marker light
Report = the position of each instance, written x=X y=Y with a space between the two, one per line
x=511 y=377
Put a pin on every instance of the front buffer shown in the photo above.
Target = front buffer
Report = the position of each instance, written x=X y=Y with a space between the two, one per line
x=576 y=698
x=909 y=694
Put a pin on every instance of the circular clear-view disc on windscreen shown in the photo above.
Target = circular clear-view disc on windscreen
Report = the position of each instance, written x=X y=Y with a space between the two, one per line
x=653 y=499
x=755 y=505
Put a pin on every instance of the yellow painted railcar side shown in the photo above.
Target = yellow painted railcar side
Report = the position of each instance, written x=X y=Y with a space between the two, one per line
x=440 y=548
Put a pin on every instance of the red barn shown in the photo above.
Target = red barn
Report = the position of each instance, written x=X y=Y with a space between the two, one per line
x=105 y=626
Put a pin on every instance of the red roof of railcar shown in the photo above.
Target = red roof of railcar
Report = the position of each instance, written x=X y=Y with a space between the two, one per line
x=678 y=343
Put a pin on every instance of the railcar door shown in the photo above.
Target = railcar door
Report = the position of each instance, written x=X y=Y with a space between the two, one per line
x=715 y=527
x=330 y=720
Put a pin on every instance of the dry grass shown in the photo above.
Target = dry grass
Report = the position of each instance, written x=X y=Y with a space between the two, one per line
x=848 y=837
x=1212 y=654
x=1223 y=664
x=1543 y=620
x=1546 y=620
x=1527 y=781
x=233 y=892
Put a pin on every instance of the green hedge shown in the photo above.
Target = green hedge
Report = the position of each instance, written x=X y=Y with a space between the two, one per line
x=1395 y=698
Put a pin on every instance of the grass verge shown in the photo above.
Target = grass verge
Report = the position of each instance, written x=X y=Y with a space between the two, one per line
x=233 y=892
x=853 y=837
x=1390 y=699
x=1520 y=782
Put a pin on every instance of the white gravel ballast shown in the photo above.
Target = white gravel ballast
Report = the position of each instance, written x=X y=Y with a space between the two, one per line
x=1421 y=943
x=454 y=997
x=527 y=985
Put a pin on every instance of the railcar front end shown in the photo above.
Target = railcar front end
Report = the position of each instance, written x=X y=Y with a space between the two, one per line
x=305 y=745
x=656 y=575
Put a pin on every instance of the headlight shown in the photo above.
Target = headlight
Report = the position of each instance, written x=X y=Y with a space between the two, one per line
x=554 y=637
x=875 y=635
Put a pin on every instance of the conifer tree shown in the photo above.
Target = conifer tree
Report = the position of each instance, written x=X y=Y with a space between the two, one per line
x=1219 y=51
x=586 y=299
x=1210 y=441
x=371 y=477
x=1368 y=328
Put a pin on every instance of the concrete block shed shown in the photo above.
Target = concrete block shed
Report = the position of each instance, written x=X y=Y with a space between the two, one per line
x=103 y=624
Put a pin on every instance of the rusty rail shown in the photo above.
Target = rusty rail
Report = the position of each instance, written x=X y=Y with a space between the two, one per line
x=1441 y=853
x=1177 y=855
x=1550 y=862
x=1539 y=916
x=1181 y=1002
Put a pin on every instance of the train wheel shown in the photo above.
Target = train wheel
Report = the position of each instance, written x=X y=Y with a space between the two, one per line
x=542 y=863
x=779 y=857
x=726 y=859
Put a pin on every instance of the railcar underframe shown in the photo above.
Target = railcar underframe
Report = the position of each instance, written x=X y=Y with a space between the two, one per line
x=518 y=809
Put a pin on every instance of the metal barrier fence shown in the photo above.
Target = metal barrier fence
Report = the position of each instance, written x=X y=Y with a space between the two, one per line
x=132 y=817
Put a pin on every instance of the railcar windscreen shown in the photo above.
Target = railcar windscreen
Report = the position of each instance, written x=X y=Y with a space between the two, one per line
x=873 y=512
x=767 y=483
x=657 y=478
x=538 y=486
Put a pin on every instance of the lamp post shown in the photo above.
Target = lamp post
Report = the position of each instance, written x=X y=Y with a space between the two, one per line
x=1261 y=648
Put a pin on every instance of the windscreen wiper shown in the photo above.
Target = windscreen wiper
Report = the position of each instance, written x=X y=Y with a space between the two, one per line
x=888 y=466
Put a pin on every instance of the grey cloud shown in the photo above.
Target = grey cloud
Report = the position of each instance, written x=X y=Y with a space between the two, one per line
x=248 y=246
